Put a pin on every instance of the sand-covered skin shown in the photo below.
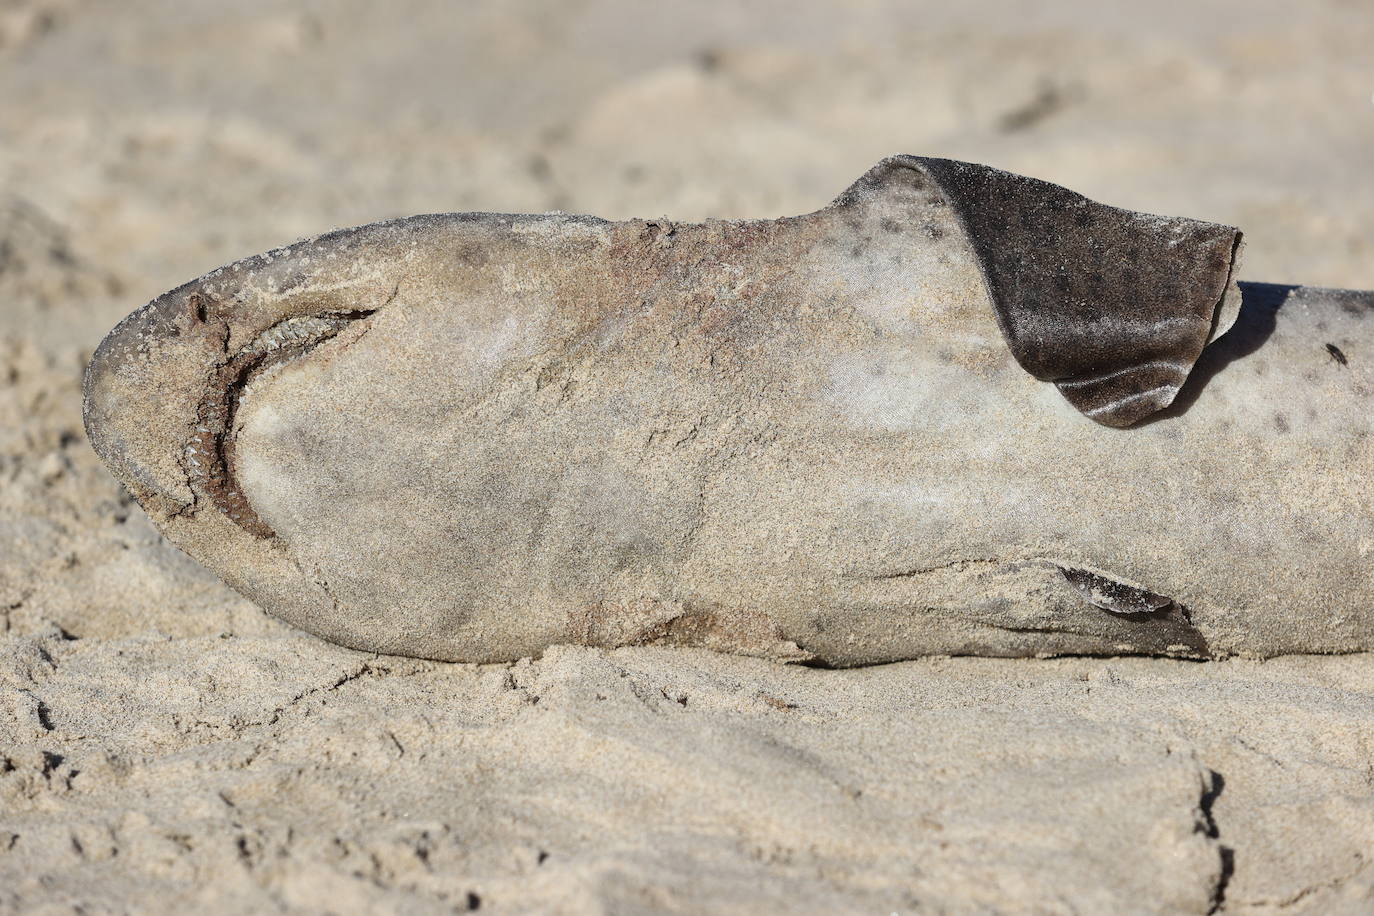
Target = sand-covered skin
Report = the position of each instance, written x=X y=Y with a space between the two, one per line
x=168 y=744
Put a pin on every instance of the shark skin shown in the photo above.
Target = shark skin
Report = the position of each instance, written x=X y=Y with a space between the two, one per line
x=957 y=411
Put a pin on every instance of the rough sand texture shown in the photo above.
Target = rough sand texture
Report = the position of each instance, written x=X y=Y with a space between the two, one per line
x=163 y=742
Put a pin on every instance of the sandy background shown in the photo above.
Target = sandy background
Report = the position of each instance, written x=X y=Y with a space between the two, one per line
x=166 y=747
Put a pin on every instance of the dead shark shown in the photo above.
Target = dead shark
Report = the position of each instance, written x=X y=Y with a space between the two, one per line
x=956 y=411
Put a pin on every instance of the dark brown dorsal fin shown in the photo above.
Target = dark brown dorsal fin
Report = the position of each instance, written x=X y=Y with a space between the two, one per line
x=1112 y=305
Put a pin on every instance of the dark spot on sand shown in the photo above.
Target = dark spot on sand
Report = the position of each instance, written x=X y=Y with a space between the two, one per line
x=1281 y=423
x=1337 y=355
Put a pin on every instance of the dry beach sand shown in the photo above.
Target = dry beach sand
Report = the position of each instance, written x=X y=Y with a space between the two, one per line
x=165 y=746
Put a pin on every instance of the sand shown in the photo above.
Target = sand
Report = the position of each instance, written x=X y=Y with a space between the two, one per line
x=164 y=745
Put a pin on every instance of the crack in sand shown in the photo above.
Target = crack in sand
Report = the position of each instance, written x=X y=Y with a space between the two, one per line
x=1211 y=791
x=1315 y=888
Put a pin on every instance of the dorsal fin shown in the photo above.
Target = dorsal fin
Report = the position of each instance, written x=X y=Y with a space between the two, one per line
x=1112 y=305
